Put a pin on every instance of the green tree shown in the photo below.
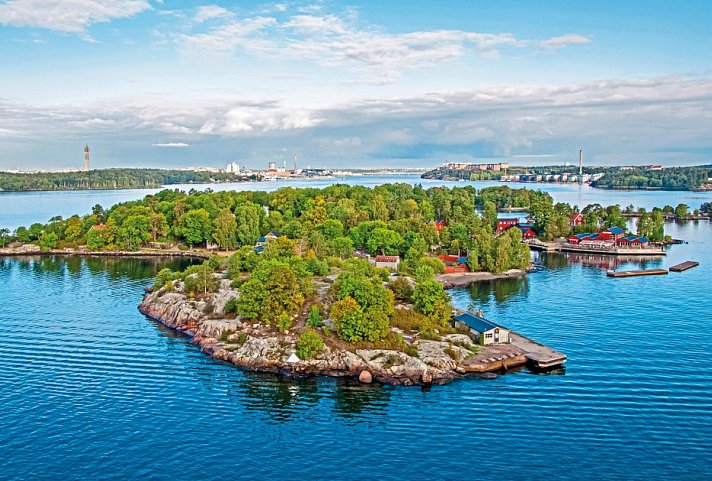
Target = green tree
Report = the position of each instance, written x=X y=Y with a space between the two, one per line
x=384 y=241
x=22 y=234
x=248 y=223
x=489 y=215
x=431 y=300
x=4 y=236
x=135 y=231
x=252 y=296
x=48 y=241
x=74 y=229
x=95 y=239
x=196 y=226
x=682 y=211
x=224 y=228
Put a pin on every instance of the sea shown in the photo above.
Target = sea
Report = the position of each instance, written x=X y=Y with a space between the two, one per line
x=91 y=389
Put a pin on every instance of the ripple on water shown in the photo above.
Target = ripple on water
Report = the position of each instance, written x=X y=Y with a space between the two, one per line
x=89 y=388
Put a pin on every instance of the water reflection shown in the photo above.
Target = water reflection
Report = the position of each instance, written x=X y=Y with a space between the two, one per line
x=559 y=260
x=133 y=268
x=280 y=398
x=500 y=290
x=353 y=400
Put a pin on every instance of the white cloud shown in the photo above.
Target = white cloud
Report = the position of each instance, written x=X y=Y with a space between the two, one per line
x=209 y=12
x=339 y=40
x=562 y=41
x=172 y=145
x=615 y=117
x=67 y=16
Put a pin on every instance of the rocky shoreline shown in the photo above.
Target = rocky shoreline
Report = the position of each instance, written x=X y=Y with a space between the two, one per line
x=464 y=279
x=257 y=347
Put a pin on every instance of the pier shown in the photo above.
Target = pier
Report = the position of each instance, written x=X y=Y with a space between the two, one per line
x=648 y=272
x=518 y=351
x=684 y=266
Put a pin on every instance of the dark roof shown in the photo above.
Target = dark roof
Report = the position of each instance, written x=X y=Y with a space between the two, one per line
x=479 y=324
x=616 y=230
x=262 y=239
x=259 y=249
x=274 y=233
x=643 y=239
x=462 y=260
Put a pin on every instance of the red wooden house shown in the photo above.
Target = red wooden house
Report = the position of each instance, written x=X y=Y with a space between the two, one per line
x=505 y=224
x=612 y=234
x=575 y=220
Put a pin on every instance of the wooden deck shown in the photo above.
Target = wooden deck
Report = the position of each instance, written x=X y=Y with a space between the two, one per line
x=684 y=266
x=648 y=272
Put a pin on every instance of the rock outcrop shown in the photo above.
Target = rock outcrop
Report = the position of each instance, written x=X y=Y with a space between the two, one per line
x=254 y=346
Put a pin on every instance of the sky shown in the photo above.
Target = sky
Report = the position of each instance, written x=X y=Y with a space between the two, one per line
x=161 y=83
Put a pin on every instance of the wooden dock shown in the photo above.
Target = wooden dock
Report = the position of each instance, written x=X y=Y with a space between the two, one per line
x=648 y=272
x=684 y=266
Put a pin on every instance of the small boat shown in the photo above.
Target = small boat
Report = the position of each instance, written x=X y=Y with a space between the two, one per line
x=488 y=375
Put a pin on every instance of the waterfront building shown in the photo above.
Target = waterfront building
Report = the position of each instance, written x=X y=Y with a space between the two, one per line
x=489 y=332
x=506 y=224
x=612 y=234
x=527 y=231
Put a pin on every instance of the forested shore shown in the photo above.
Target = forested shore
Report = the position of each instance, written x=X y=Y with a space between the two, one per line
x=111 y=179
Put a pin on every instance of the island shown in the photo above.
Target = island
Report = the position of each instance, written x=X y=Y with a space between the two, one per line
x=647 y=177
x=344 y=280
x=111 y=179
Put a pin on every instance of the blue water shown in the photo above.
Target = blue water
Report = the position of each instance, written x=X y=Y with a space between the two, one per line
x=91 y=389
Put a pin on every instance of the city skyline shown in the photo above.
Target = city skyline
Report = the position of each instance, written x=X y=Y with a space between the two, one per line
x=172 y=84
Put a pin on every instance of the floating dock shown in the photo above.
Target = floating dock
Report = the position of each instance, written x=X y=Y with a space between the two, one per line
x=648 y=272
x=684 y=266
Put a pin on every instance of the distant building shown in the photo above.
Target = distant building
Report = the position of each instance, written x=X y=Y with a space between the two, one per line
x=98 y=227
x=576 y=219
x=505 y=224
x=475 y=167
x=612 y=234
x=263 y=241
x=527 y=231
x=489 y=332
x=389 y=262
x=233 y=168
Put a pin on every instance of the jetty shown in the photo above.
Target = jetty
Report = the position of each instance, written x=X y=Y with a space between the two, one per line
x=684 y=266
x=647 y=272
x=505 y=349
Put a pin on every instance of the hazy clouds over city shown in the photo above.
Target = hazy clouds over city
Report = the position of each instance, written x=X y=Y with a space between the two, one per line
x=171 y=83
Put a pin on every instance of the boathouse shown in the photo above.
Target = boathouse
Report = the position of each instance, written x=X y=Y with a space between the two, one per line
x=527 y=231
x=612 y=234
x=489 y=332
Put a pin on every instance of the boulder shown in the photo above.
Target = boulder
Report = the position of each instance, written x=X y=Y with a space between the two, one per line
x=365 y=377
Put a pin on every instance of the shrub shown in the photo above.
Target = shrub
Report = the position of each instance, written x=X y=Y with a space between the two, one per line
x=452 y=352
x=370 y=326
x=434 y=263
x=231 y=306
x=162 y=279
x=408 y=320
x=284 y=322
x=317 y=267
x=401 y=288
x=309 y=344
x=314 y=319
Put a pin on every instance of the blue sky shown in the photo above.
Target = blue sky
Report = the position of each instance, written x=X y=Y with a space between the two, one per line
x=176 y=83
